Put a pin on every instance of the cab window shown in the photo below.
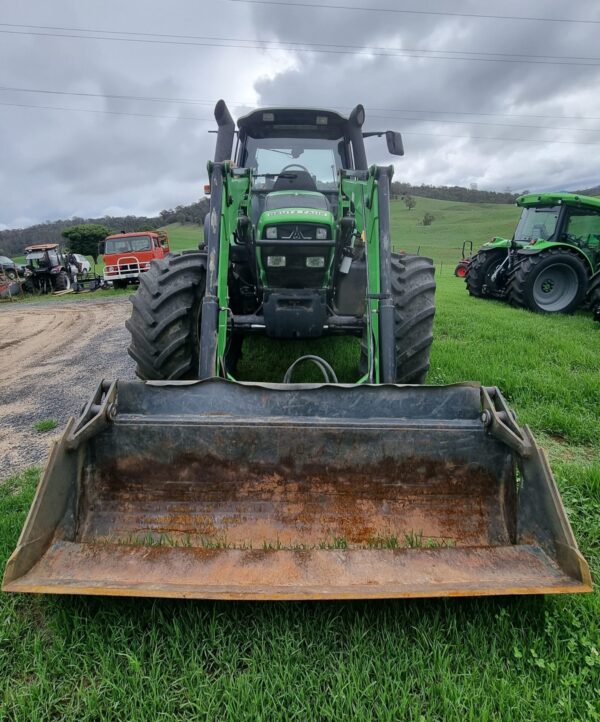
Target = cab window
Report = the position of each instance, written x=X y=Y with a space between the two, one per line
x=583 y=227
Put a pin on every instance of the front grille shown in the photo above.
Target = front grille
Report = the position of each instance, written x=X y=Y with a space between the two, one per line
x=295 y=273
x=297 y=232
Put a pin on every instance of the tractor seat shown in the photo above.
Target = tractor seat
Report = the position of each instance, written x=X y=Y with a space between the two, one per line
x=298 y=180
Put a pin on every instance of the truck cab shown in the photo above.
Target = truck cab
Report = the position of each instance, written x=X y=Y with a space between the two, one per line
x=127 y=255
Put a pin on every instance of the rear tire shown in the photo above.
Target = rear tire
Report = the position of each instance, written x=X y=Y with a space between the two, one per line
x=478 y=277
x=29 y=286
x=165 y=319
x=594 y=297
x=552 y=281
x=62 y=282
x=413 y=291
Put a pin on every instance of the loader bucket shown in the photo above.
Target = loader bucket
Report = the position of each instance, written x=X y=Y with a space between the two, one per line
x=221 y=490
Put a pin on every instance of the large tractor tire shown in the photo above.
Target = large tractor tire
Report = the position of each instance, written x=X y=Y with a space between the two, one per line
x=413 y=290
x=165 y=319
x=594 y=297
x=29 y=286
x=480 y=271
x=552 y=281
x=62 y=282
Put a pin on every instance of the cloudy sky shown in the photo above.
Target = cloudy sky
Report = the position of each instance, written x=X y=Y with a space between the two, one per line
x=503 y=103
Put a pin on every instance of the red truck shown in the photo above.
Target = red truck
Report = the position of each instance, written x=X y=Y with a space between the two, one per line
x=127 y=255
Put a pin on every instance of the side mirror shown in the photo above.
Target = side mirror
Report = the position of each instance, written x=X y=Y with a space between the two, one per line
x=101 y=248
x=394 y=142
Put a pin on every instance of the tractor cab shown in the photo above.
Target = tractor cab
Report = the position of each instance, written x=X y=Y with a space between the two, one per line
x=296 y=237
x=44 y=258
x=302 y=149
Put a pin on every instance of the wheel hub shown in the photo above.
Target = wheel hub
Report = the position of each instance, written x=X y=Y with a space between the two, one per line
x=555 y=287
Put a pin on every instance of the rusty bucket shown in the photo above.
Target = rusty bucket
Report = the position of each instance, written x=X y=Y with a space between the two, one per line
x=222 y=490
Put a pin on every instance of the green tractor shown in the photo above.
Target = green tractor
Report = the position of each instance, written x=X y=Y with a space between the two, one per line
x=191 y=484
x=547 y=265
x=291 y=252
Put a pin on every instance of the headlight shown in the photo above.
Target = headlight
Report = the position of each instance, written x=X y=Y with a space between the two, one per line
x=272 y=232
x=109 y=269
x=321 y=234
x=315 y=262
x=276 y=261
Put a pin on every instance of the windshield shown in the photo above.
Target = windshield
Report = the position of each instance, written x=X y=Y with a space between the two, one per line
x=5 y=260
x=42 y=259
x=537 y=223
x=320 y=157
x=128 y=245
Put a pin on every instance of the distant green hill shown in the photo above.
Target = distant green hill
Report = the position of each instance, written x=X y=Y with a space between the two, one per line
x=453 y=223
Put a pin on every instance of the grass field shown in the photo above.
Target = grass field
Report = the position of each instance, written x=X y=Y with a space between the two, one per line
x=484 y=660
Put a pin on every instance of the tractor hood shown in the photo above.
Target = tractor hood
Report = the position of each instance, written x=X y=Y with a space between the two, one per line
x=305 y=210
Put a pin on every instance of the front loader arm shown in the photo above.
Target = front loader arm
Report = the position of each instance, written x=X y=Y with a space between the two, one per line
x=366 y=195
x=229 y=194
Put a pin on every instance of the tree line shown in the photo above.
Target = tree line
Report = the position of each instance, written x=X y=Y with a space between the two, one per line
x=453 y=193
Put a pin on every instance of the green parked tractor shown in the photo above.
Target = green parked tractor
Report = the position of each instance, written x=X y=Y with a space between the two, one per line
x=547 y=265
x=297 y=246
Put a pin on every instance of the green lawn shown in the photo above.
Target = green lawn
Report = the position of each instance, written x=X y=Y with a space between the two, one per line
x=518 y=659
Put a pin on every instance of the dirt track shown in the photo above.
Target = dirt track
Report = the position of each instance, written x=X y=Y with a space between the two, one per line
x=52 y=356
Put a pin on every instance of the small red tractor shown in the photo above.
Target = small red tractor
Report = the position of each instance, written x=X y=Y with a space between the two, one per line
x=461 y=268
x=127 y=255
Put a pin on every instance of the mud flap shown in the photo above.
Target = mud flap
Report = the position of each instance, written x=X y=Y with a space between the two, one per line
x=222 y=490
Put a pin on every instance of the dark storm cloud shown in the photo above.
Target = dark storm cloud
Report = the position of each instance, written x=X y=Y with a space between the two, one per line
x=57 y=163
x=468 y=86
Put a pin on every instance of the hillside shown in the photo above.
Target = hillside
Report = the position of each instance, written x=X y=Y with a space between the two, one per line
x=453 y=206
x=13 y=241
x=454 y=223
x=442 y=240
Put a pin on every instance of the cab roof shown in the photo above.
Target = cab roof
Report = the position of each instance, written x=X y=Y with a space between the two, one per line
x=128 y=235
x=290 y=122
x=555 y=199
x=41 y=247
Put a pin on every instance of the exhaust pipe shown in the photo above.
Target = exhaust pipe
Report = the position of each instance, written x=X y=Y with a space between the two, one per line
x=225 y=133
x=355 y=124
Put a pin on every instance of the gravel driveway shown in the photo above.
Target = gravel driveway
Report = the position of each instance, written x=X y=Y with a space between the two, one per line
x=52 y=356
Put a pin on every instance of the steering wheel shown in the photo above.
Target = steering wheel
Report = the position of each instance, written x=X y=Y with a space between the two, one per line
x=294 y=165
x=570 y=238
